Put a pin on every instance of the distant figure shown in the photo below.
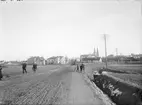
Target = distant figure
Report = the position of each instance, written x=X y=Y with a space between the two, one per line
x=1 y=72
x=34 y=67
x=24 y=66
x=82 y=68
x=77 y=68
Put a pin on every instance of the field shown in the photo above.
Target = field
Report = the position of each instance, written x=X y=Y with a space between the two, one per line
x=132 y=79
x=132 y=76
x=129 y=68
x=43 y=87
x=14 y=71
x=132 y=72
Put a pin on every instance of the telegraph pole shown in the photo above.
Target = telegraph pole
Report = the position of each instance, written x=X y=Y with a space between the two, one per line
x=116 y=51
x=105 y=50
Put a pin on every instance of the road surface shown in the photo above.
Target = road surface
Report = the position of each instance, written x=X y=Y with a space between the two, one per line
x=61 y=86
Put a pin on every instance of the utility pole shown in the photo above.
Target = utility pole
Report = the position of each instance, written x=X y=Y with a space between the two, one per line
x=117 y=55
x=116 y=51
x=105 y=50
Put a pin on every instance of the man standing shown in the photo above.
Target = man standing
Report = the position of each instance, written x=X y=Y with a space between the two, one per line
x=1 y=72
x=77 y=69
x=82 y=68
x=34 y=67
x=24 y=65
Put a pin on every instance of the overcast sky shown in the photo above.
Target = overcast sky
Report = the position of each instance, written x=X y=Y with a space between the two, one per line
x=69 y=28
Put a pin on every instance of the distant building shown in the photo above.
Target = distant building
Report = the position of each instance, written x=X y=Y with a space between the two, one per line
x=88 y=58
x=36 y=59
x=51 y=60
x=57 y=60
x=136 y=56
x=62 y=60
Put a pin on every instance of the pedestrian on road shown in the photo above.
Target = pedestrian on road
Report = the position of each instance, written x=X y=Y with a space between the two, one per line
x=81 y=68
x=24 y=66
x=77 y=68
x=1 y=72
x=34 y=67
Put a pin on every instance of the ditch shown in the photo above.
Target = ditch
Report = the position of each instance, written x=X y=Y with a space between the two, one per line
x=119 y=92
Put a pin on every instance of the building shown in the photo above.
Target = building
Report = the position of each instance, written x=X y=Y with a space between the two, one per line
x=36 y=59
x=51 y=60
x=57 y=60
x=136 y=56
x=88 y=58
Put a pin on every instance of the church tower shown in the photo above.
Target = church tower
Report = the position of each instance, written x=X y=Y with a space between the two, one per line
x=97 y=52
x=94 y=53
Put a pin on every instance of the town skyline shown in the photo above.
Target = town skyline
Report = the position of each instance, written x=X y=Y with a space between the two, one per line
x=94 y=54
x=69 y=28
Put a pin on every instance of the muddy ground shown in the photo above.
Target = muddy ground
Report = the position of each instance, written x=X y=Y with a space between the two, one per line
x=37 y=89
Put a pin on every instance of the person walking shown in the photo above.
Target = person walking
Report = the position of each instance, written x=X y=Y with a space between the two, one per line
x=81 y=68
x=1 y=72
x=77 y=68
x=24 y=66
x=34 y=67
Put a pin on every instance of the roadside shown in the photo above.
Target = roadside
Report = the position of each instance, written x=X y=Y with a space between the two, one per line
x=122 y=88
x=81 y=93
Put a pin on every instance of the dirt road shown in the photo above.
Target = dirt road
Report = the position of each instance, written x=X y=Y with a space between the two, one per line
x=61 y=86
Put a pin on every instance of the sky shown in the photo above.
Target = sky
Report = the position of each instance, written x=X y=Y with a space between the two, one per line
x=69 y=28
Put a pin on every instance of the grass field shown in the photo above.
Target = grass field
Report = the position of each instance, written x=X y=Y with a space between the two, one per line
x=132 y=79
x=130 y=68
x=132 y=76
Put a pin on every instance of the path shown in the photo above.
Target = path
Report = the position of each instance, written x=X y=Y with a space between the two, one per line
x=81 y=93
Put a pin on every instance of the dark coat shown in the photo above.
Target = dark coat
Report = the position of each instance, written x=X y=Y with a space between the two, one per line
x=24 y=65
x=1 y=73
x=34 y=66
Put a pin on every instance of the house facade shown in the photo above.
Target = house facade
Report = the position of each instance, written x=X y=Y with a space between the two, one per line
x=56 y=60
x=36 y=59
